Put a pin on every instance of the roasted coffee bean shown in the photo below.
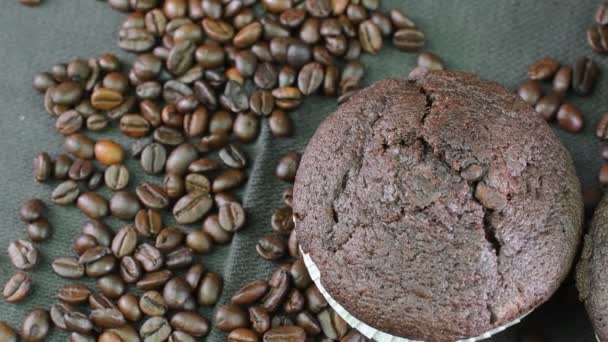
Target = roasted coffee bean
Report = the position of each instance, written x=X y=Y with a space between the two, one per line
x=400 y=20
x=192 y=207
x=209 y=56
x=32 y=210
x=148 y=222
x=242 y=335
x=218 y=30
x=78 y=322
x=233 y=156
x=282 y=220
x=205 y=94
x=97 y=122
x=212 y=227
x=265 y=76
x=261 y=102
x=203 y=165
x=43 y=81
x=597 y=38
x=58 y=312
x=168 y=239
x=180 y=57
x=174 y=185
x=285 y=333
x=314 y=300
x=309 y=323
x=194 y=275
x=383 y=22
x=601 y=130
x=61 y=167
x=130 y=269
x=7 y=333
x=229 y=317
x=300 y=275
x=197 y=183
x=154 y=280
x=298 y=54
x=353 y=336
x=601 y=13
x=100 y=267
x=78 y=337
x=93 y=205
x=271 y=247
x=107 y=317
x=116 y=177
x=279 y=288
x=234 y=97
x=288 y=196
x=36 y=325
x=124 y=242
x=562 y=80
x=287 y=97
x=336 y=45
x=66 y=93
x=180 y=158
x=59 y=72
x=43 y=167
x=148 y=90
x=603 y=174
x=68 y=267
x=153 y=158
x=173 y=91
x=134 y=125
x=330 y=27
x=287 y=76
x=293 y=245
x=121 y=110
x=150 y=258
x=210 y=289
x=212 y=8
x=246 y=63
x=548 y=105
x=17 y=287
x=79 y=145
x=247 y=35
x=246 y=127
x=39 y=230
x=227 y=179
x=106 y=99
x=570 y=118
x=259 y=319
x=99 y=301
x=135 y=39
x=186 y=104
x=179 y=258
x=231 y=216
x=288 y=166
x=69 y=122
x=99 y=231
x=280 y=124
x=433 y=62
x=216 y=77
x=83 y=242
x=81 y=170
x=152 y=196
x=584 y=75
x=370 y=37
x=23 y=254
x=111 y=286
x=195 y=123
x=152 y=303
x=199 y=241
x=170 y=116
x=250 y=293
x=115 y=81
x=191 y=323
x=310 y=32
x=94 y=254
x=155 y=329
x=530 y=91
x=294 y=303
x=73 y=293
x=128 y=304
x=168 y=136
x=408 y=39
x=543 y=68
x=310 y=78
x=177 y=294
x=108 y=152
x=281 y=320
x=221 y=122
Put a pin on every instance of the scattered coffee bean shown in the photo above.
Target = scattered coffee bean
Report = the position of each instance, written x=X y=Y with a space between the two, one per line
x=23 y=254
x=36 y=325
x=287 y=166
x=39 y=230
x=17 y=287
x=548 y=105
x=230 y=317
x=584 y=75
x=570 y=118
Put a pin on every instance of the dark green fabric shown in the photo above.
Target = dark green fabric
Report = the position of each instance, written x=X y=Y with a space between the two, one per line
x=496 y=39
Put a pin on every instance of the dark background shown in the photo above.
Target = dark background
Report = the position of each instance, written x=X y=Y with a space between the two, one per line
x=496 y=39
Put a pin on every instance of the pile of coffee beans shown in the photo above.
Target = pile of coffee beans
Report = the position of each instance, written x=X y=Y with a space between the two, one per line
x=580 y=78
x=206 y=75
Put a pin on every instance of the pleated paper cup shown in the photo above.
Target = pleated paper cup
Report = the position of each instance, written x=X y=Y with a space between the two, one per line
x=370 y=332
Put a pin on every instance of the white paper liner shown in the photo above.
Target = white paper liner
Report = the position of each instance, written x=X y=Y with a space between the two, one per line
x=370 y=332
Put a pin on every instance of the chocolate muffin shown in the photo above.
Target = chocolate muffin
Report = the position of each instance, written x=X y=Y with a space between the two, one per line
x=591 y=276
x=439 y=208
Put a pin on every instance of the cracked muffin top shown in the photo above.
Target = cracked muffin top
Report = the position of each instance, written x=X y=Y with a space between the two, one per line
x=591 y=275
x=438 y=208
